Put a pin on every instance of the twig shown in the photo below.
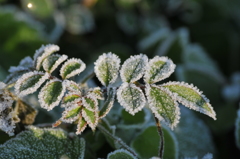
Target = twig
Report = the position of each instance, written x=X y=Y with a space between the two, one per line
x=160 y=132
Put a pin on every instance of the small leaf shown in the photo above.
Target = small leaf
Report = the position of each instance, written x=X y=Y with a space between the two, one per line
x=25 y=65
x=71 y=68
x=120 y=154
x=96 y=92
x=81 y=125
x=237 y=129
x=133 y=68
x=106 y=68
x=131 y=98
x=162 y=104
x=190 y=97
x=42 y=53
x=72 y=86
x=72 y=113
x=158 y=69
x=30 y=82
x=51 y=94
x=108 y=103
x=90 y=117
x=53 y=61
x=71 y=98
x=43 y=143
x=90 y=103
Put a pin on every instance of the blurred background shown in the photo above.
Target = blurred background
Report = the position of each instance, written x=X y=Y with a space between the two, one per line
x=201 y=36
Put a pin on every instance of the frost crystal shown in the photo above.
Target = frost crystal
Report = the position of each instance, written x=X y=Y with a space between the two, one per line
x=163 y=105
x=25 y=64
x=53 y=61
x=81 y=126
x=158 y=69
x=106 y=68
x=121 y=153
x=133 y=68
x=72 y=86
x=108 y=103
x=71 y=68
x=90 y=103
x=42 y=53
x=90 y=117
x=30 y=82
x=131 y=98
x=71 y=114
x=191 y=97
x=51 y=94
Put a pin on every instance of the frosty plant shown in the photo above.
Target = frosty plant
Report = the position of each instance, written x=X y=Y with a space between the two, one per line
x=82 y=105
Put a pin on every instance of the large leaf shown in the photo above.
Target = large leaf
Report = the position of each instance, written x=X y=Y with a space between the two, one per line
x=158 y=69
x=146 y=144
x=190 y=97
x=133 y=68
x=42 y=53
x=163 y=105
x=91 y=117
x=120 y=154
x=30 y=82
x=53 y=61
x=106 y=68
x=51 y=94
x=131 y=98
x=43 y=143
x=71 y=68
x=237 y=129
x=108 y=104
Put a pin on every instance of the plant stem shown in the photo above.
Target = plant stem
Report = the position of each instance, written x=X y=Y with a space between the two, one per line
x=118 y=140
x=91 y=75
x=160 y=132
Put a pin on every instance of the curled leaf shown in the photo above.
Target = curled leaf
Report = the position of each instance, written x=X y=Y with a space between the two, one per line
x=71 y=68
x=106 y=68
x=133 y=68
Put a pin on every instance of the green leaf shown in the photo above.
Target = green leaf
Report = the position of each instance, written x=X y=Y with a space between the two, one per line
x=71 y=68
x=51 y=94
x=30 y=82
x=190 y=97
x=237 y=129
x=81 y=125
x=71 y=97
x=90 y=103
x=72 y=113
x=91 y=117
x=163 y=105
x=72 y=86
x=158 y=69
x=43 y=143
x=96 y=92
x=131 y=98
x=146 y=144
x=133 y=68
x=120 y=154
x=106 y=68
x=108 y=103
x=53 y=61
x=132 y=121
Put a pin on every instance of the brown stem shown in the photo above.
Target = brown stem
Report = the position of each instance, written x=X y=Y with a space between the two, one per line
x=160 y=132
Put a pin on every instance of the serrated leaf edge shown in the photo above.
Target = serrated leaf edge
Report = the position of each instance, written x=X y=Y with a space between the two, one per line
x=121 y=150
x=91 y=125
x=60 y=59
x=110 y=105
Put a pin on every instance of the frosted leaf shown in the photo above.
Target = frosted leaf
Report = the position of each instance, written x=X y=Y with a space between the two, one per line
x=6 y=100
x=81 y=125
x=70 y=99
x=90 y=103
x=133 y=68
x=163 y=105
x=13 y=77
x=43 y=143
x=131 y=98
x=158 y=69
x=51 y=94
x=71 y=114
x=108 y=104
x=30 y=82
x=237 y=129
x=72 y=86
x=96 y=92
x=71 y=68
x=53 y=61
x=42 y=53
x=2 y=85
x=190 y=97
x=121 y=153
x=25 y=64
x=91 y=117
x=106 y=68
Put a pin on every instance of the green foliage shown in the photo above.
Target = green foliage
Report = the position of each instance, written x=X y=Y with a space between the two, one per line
x=120 y=154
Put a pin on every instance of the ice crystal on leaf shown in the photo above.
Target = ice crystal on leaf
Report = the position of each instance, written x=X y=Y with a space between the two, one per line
x=81 y=125
x=90 y=102
x=42 y=53
x=108 y=102
x=91 y=117
x=71 y=68
x=72 y=86
x=131 y=98
x=25 y=64
x=158 y=69
x=106 y=68
x=163 y=105
x=71 y=114
x=133 y=68
x=121 y=153
x=53 y=61
x=51 y=94
x=30 y=82
x=190 y=97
